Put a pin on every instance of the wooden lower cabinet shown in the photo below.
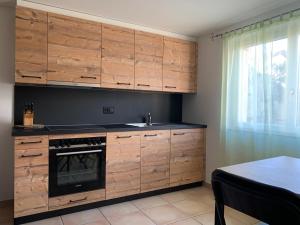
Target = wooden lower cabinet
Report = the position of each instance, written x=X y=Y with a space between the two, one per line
x=71 y=200
x=155 y=160
x=136 y=162
x=31 y=175
x=123 y=164
x=187 y=156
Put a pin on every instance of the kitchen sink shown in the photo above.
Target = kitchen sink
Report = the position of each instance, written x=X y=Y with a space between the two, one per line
x=145 y=124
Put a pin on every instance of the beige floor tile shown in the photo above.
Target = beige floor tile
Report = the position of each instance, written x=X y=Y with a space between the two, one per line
x=209 y=219
x=189 y=221
x=135 y=218
x=150 y=202
x=192 y=207
x=199 y=190
x=164 y=214
x=118 y=210
x=84 y=217
x=240 y=216
x=50 y=221
x=175 y=196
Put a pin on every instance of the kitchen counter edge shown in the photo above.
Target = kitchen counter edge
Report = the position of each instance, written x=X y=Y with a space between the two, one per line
x=16 y=132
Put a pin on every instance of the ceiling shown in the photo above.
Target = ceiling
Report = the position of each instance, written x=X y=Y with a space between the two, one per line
x=186 y=17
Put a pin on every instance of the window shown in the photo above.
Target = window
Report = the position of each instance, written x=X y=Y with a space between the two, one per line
x=269 y=86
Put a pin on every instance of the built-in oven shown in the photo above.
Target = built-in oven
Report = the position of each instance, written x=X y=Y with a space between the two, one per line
x=76 y=165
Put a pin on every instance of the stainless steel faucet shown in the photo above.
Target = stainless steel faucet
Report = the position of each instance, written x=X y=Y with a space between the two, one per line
x=149 y=120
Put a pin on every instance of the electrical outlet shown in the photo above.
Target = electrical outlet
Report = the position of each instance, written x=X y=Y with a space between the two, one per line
x=108 y=110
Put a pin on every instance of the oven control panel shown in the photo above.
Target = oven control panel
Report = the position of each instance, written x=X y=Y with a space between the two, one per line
x=77 y=143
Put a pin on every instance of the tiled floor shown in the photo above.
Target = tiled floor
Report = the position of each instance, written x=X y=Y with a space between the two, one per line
x=189 y=207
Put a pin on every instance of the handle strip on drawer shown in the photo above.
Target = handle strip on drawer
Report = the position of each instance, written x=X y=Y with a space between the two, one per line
x=88 y=77
x=150 y=135
x=28 y=76
x=30 y=142
x=124 y=136
x=77 y=153
x=29 y=156
x=178 y=134
x=120 y=83
x=144 y=85
x=78 y=200
x=170 y=87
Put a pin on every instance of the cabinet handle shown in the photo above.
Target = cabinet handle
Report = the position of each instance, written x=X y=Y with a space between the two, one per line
x=30 y=142
x=150 y=135
x=31 y=156
x=28 y=76
x=170 y=87
x=177 y=134
x=144 y=85
x=124 y=136
x=78 y=200
x=88 y=77
x=120 y=83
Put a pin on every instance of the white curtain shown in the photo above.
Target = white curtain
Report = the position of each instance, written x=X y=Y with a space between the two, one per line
x=261 y=90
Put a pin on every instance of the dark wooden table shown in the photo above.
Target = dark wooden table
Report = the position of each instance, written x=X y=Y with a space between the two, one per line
x=268 y=190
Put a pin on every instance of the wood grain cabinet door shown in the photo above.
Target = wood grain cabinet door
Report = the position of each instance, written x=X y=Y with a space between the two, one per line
x=31 y=175
x=155 y=160
x=148 y=61
x=74 y=51
x=179 y=66
x=187 y=156
x=117 y=57
x=31 y=46
x=123 y=164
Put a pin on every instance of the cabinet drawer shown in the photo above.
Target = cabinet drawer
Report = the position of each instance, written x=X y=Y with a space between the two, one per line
x=31 y=157
x=123 y=164
x=31 y=190
x=76 y=199
x=32 y=142
x=187 y=156
x=155 y=160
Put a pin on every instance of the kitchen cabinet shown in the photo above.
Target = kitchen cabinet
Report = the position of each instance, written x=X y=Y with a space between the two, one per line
x=179 y=66
x=123 y=164
x=117 y=57
x=31 y=175
x=155 y=160
x=31 y=46
x=187 y=156
x=74 y=51
x=148 y=61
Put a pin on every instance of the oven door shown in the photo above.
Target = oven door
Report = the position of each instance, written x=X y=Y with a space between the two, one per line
x=76 y=170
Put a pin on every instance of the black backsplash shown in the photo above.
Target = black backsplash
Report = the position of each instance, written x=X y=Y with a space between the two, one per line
x=61 y=105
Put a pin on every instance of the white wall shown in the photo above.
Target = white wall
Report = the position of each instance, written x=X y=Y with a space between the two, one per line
x=6 y=100
x=205 y=106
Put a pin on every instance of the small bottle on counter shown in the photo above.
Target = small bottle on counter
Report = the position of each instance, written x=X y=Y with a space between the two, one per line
x=28 y=115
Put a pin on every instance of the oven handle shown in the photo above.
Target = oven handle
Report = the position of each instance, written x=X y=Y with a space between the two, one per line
x=77 y=153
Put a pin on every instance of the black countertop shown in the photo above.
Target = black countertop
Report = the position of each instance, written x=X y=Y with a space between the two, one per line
x=75 y=129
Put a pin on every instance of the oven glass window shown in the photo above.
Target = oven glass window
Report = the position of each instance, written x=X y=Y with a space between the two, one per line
x=76 y=169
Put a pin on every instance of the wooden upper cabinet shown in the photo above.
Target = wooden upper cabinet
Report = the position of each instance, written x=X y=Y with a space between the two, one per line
x=117 y=57
x=155 y=160
x=148 y=61
x=74 y=51
x=187 y=156
x=179 y=66
x=123 y=164
x=31 y=46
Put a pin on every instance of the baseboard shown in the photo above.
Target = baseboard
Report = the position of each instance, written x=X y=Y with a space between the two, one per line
x=45 y=215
